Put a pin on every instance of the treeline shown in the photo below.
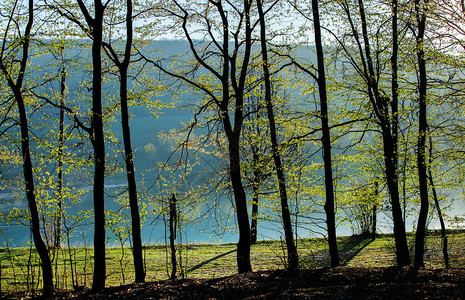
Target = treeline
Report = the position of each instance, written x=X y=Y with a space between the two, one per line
x=367 y=120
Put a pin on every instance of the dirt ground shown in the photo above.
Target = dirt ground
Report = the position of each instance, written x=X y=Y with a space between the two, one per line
x=327 y=283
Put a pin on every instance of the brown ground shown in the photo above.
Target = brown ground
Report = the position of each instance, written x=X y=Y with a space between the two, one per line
x=328 y=283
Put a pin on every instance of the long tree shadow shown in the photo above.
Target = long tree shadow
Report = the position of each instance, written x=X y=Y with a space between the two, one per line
x=352 y=246
x=210 y=260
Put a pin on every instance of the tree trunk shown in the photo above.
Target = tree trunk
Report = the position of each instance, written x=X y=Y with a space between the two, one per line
x=400 y=237
x=129 y=156
x=130 y=172
x=421 y=149
x=243 y=246
x=173 y=227
x=61 y=139
x=98 y=143
x=390 y=143
x=41 y=248
x=389 y=128
x=329 y=204
x=292 y=255
x=373 y=218
x=16 y=88
x=228 y=79
x=233 y=133
x=438 y=208
x=240 y=199
x=257 y=173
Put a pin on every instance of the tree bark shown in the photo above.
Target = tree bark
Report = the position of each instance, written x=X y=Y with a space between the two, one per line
x=292 y=255
x=255 y=198
x=438 y=208
x=402 y=252
x=41 y=248
x=243 y=246
x=329 y=204
x=233 y=133
x=98 y=142
x=389 y=128
x=391 y=162
x=16 y=88
x=129 y=156
x=61 y=141
x=373 y=218
x=173 y=221
x=227 y=77
x=257 y=172
x=420 y=14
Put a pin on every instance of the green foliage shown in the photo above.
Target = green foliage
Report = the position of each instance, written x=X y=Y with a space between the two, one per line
x=197 y=171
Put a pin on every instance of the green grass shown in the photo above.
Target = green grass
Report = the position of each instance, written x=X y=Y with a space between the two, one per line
x=20 y=270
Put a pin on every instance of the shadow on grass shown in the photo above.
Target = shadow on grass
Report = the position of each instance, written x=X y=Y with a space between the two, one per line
x=352 y=246
x=210 y=260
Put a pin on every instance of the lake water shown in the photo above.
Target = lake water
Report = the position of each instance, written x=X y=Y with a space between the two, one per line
x=145 y=131
x=150 y=150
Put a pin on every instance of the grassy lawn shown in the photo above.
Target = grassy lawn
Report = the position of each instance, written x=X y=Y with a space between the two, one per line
x=20 y=267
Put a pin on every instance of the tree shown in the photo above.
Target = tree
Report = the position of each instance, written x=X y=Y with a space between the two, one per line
x=438 y=207
x=173 y=225
x=255 y=155
x=421 y=8
x=446 y=30
x=8 y=66
x=229 y=76
x=389 y=126
x=321 y=79
x=95 y=29
x=123 y=67
x=384 y=107
x=61 y=142
x=360 y=204
x=293 y=258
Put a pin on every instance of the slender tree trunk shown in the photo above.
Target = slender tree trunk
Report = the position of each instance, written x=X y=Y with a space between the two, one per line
x=394 y=115
x=390 y=140
x=129 y=156
x=243 y=246
x=402 y=252
x=394 y=80
x=130 y=172
x=61 y=140
x=389 y=130
x=227 y=77
x=240 y=199
x=255 y=198
x=41 y=248
x=257 y=175
x=292 y=255
x=445 y=252
x=173 y=227
x=438 y=207
x=422 y=126
x=373 y=219
x=233 y=133
x=98 y=142
x=329 y=204
x=16 y=88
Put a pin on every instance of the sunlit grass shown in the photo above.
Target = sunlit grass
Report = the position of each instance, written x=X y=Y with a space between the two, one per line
x=20 y=266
